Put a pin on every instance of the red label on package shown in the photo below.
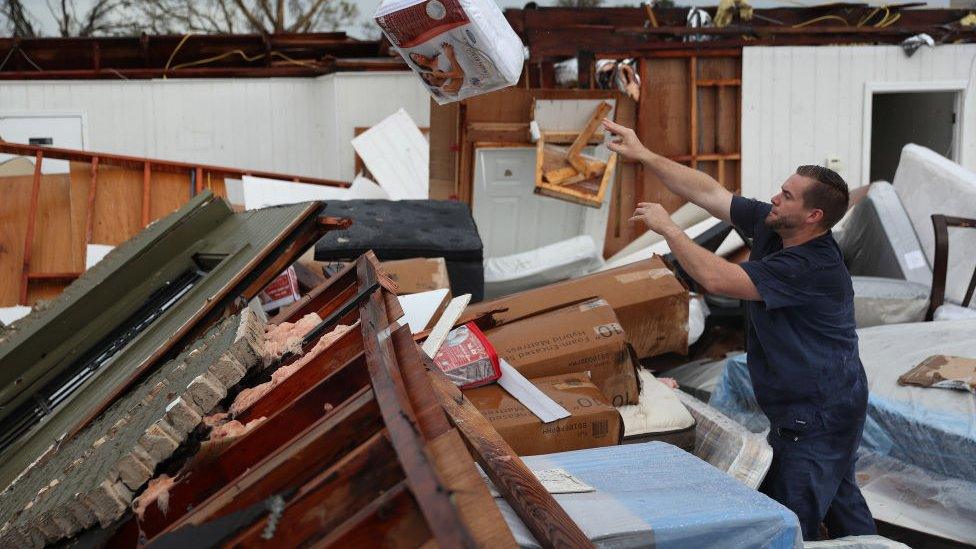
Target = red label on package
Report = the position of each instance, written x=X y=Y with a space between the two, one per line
x=467 y=358
x=419 y=23
x=281 y=291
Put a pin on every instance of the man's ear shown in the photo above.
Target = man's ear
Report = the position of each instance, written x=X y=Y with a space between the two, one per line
x=815 y=216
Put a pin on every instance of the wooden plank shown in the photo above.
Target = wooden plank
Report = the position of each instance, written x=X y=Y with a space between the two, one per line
x=547 y=521
x=583 y=138
x=693 y=118
x=198 y=180
x=292 y=465
x=168 y=191
x=663 y=120
x=16 y=193
x=444 y=141
x=146 y=212
x=332 y=497
x=117 y=206
x=401 y=421
x=707 y=121
x=79 y=184
x=31 y=221
x=391 y=521
x=54 y=249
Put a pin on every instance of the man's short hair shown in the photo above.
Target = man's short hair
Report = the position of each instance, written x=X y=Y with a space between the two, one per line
x=829 y=194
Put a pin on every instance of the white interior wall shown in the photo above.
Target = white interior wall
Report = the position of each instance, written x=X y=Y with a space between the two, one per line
x=802 y=105
x=296 y=126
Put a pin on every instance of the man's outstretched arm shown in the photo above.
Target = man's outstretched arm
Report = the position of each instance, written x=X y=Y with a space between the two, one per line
x=692 y=185
x=714 y=273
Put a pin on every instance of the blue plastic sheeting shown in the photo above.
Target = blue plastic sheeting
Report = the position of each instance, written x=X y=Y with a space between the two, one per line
x=911 y=430
x=656 y=495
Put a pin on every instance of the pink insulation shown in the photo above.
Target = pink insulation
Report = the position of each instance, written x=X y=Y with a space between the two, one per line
x=157 y=491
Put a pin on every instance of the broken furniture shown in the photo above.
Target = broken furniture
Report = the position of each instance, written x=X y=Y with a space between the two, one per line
x=655 y=494
x=48 y=219
x=411 y=228
x=915 y=465
x=890 y=235
x=568 y=174
x=77 y=373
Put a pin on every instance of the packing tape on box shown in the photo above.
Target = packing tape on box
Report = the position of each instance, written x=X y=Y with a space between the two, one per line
x=653 y=274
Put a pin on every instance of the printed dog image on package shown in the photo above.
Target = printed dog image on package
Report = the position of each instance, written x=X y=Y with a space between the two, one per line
x=459 y=48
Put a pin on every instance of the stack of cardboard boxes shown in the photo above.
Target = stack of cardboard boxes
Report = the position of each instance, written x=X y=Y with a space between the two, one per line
x=579 y=341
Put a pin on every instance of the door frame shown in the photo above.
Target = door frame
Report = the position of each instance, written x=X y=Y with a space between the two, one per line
x=871 y=88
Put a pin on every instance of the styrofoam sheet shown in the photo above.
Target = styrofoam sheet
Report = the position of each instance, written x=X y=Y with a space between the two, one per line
x=656 y=495
x=261 y=192
x=397 y=154
x=928 y=183
x=878 y=239
x=525 y=270
x=659 y=247
x=419 y=309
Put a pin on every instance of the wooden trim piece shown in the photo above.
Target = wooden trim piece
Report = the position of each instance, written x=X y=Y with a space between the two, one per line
x=721 y=82
x=31 y=221
x=53 y=276
x=693 y=103
x=401 y=422
x=540 y=512
x=198 y=179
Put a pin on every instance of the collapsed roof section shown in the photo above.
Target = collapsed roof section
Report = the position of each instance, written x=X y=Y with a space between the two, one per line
x=554 y=34
x=61 y=367
x=192 y=56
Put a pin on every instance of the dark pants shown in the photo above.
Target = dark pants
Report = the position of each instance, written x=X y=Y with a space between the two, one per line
x=812 y=474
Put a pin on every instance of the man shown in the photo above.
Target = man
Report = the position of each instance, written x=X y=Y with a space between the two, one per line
x=802 y=347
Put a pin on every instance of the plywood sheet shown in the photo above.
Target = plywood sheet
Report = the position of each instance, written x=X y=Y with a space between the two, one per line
x=167 y=192
x=80 y=173
x=664 y=106
x=13 y=229
x=53 y=249
x=118 y=205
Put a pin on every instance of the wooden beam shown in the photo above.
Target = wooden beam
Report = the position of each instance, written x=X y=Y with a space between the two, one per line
x=145 y=193
x=386 y=522
x=542 y=515
x=198 y=179
x=693 y=102
x=31 y=221
x=573 y=155
x=90 y=211
x=53 y=276
x=401 y=422
x=137 y=163
x=323 y=299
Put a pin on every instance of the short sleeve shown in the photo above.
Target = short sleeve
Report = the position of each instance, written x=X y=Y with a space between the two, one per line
x=781 y=279
x=746 y=213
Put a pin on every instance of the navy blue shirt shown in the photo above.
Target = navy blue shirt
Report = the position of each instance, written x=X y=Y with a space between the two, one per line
x=802 y=344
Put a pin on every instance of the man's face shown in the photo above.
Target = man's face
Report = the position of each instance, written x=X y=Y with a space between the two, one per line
x=788 y=211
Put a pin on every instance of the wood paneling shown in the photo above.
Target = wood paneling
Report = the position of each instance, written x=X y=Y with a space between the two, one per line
x=15 y=193
x=168 y=191
x=118 y=205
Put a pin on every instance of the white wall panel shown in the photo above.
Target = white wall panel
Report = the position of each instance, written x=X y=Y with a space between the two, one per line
x=801 y=105
x=289 y=125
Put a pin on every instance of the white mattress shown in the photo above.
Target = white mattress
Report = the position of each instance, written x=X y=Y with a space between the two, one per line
x=880 y=301
x=928 y=183
x=551 y=263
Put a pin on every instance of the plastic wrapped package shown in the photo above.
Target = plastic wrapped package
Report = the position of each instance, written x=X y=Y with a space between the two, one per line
x=459 y=48
x=468 y=358
x=656 y=495
x=526 y=270
x=698 y=377
x=928 y=183
x=658 y=411
x=878 y=239
x=880 y=301
x=697 y=314
x=728 y=446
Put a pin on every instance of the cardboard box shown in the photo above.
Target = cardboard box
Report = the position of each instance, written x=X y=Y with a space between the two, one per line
x=650 y=302
x=418 y=274
x=579 y=338
x=593 y=423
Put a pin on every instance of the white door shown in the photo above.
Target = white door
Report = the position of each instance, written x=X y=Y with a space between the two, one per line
x=62 y=131
x=511 y=218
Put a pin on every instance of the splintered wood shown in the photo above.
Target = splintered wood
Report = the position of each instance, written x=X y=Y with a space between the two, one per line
x=568 y=174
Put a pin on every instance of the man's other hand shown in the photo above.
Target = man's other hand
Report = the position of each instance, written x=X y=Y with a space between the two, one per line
x=655 y=217
x=625 y=141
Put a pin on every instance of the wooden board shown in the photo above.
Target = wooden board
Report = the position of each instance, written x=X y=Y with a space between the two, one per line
x=80 y=181
x=167 y=192
x=118 y=205
x=16 y=193
x=54 y=248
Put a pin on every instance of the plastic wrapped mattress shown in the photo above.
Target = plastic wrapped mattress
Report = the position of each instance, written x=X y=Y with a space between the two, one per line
x=917 y=465
x=655 y=495
x=410 y=228
x=880 y=301
x=878 y=239
x=928 y=183
x=526 y=270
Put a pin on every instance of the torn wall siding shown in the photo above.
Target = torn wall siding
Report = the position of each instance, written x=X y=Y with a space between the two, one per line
x=141 y=305
x=218 y=121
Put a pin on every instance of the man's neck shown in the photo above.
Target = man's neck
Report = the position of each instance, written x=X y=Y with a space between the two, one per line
x=795 y=238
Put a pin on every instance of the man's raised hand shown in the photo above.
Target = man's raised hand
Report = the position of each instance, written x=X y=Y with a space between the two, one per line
x=625 y=141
